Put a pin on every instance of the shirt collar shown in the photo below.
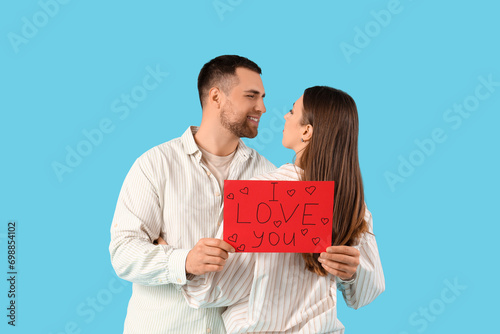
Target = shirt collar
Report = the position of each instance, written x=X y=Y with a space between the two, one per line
x=188 y=142
x=191 y=148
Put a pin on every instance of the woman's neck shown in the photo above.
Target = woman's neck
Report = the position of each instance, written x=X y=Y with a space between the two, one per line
x=298 y=157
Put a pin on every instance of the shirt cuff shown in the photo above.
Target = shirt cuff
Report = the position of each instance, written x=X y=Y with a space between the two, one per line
x=177 y=266
x=340 y=280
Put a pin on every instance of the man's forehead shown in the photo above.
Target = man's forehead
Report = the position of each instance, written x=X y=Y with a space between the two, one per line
x=248 y=75
x=245 y=71
x=249 y=81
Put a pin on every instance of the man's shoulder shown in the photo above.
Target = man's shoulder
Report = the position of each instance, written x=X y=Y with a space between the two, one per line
x=159 y=159
x=164 y=150
x=261 y=161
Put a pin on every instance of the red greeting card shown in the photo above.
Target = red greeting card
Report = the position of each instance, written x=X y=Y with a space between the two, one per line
x=278 y=216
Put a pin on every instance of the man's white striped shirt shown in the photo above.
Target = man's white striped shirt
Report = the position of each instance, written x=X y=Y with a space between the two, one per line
x=169 y=192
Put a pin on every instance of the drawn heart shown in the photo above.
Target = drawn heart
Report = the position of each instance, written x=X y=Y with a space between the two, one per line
x=325 y=221
x=230 y=196
x=310 y=189
x=290 y=192
x=233 y=238
x=315 y=240
x=277 y=223
x=244 y=191
x=304 y=231
x=241 y=248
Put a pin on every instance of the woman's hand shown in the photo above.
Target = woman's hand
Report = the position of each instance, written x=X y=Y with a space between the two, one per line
x=160 y=241
x=341 y=261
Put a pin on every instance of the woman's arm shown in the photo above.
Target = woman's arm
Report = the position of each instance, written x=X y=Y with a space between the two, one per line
x=368 y=281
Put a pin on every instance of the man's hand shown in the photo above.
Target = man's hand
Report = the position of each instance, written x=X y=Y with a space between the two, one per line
x=160 y=241
x=208 y=255
x=341 y=261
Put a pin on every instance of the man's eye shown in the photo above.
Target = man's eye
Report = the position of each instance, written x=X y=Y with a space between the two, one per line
x=251 y=96
x=291 y=111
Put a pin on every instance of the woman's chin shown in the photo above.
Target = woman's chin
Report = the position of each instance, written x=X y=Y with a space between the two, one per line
x=286 y=146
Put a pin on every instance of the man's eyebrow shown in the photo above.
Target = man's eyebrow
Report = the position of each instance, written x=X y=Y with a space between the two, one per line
x=253 y=91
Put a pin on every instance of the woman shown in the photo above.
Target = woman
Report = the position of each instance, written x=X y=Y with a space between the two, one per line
x=296 y=293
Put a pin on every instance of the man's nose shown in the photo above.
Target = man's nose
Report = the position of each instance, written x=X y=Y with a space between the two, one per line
x=261 y=106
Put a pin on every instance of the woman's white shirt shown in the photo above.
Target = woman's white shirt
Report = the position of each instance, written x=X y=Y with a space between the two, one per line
x=273 y=292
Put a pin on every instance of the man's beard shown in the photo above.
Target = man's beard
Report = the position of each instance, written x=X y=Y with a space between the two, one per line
x=241 y=128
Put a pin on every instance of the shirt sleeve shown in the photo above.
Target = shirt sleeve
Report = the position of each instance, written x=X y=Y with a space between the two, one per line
x=136 y=224
x=225 y=287
x=368 y=281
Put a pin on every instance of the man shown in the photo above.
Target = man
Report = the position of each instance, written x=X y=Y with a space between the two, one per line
x=175 y=191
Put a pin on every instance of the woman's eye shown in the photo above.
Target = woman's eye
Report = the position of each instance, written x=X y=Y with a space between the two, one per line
x=291 y=111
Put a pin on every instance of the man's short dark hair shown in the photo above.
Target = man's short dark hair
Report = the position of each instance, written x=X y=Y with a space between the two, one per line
x=221 y=72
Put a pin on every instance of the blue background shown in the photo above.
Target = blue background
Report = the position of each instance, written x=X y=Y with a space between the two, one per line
x=439 y=225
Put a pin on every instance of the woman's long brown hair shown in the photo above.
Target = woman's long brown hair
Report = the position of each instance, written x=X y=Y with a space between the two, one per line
x=332 y=155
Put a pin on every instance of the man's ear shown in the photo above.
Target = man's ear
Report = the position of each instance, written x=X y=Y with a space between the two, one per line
x=307 y=133
x=215 y=97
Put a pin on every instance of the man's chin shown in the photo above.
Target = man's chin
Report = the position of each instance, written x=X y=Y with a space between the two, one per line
x=253 y=135
x=247 y=133
x=244 y=131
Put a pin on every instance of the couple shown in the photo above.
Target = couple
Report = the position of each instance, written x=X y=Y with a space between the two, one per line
x=189 y=283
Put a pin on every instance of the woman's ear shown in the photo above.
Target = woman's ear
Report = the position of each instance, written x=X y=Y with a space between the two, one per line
x=308 y=132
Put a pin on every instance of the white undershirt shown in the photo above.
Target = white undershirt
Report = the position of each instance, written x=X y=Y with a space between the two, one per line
x=218 y=165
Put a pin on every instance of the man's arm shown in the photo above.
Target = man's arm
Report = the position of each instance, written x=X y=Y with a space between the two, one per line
x=225 y=287
x=138 y=221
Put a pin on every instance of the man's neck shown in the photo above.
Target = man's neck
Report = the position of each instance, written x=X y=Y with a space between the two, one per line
x=218 y=141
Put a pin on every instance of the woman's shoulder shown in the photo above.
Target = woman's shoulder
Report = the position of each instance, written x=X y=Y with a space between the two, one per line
x=287 y=172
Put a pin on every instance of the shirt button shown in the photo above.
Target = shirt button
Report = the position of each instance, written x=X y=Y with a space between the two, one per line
x=179 y=280
x=208 y=173
x=209 y=330
x=217 y=194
